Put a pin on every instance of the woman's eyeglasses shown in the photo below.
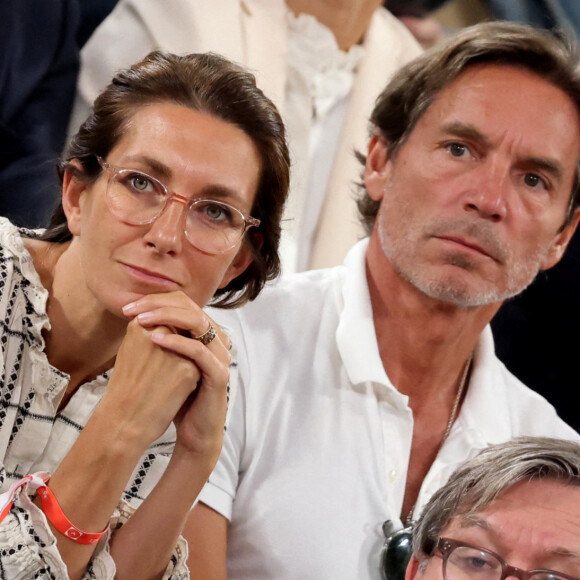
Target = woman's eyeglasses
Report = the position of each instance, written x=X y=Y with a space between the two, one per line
x=214 y=227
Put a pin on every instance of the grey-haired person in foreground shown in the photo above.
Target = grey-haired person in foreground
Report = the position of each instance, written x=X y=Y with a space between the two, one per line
x=512 y=511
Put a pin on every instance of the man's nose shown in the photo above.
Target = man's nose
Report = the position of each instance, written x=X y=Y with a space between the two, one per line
x=166 y=232
x=487 y=192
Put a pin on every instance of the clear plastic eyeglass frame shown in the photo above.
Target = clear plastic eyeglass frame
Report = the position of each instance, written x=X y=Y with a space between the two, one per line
x=136 y=198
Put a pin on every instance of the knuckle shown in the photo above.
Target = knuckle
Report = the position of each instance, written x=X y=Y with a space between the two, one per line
x=160 y=329
x=225 y=375
x=186 y=370
x=135 y=330
x=133 y=325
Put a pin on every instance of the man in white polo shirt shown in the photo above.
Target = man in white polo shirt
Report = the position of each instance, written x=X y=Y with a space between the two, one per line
x=357 y=390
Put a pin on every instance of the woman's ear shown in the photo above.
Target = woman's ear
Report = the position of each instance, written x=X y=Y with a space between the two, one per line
x=242 y=260
x=72 y=189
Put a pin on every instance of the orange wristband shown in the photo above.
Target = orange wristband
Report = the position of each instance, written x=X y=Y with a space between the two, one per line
x=56 y=517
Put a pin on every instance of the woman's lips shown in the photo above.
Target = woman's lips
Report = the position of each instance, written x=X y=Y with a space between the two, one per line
x=150 y=277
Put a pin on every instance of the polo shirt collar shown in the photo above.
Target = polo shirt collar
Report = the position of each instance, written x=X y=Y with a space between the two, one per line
x=355 y=336
x=484 y=414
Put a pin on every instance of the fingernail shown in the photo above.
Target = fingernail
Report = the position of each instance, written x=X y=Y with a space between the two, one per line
x=128 y=308
x=144 y=316
x=157 y=336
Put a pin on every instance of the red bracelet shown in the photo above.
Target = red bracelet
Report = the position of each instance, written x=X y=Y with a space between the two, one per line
x=50 y=507
x=56 y=517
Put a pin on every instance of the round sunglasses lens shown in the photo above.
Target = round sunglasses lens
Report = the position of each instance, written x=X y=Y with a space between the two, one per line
x=396 y=555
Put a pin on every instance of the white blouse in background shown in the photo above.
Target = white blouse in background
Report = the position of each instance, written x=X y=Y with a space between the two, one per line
x=319 y=83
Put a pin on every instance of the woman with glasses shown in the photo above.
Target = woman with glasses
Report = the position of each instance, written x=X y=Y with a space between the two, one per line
x=114 y=381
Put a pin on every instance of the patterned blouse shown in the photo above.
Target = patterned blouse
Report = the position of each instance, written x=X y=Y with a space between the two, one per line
x=35 y=437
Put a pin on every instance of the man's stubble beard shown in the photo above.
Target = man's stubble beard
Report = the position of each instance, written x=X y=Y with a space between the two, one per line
x=400 y=251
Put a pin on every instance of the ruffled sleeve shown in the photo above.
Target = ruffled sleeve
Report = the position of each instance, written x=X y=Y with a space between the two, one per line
x=28 y=548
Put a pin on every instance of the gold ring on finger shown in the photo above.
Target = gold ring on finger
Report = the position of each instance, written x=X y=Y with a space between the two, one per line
x=207 y=336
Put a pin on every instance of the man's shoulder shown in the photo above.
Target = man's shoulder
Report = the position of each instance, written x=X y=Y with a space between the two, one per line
x=304 y=290
x=304 y=286
x=510 y=408
x=531 y=413
x=305 y=307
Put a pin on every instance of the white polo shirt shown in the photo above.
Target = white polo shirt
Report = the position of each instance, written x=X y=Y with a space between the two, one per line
x=316 y=452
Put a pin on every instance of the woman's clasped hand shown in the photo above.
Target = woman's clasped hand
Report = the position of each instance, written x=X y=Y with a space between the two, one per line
x=169 y=370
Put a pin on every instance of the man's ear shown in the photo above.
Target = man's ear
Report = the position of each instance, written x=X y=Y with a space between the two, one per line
x=412 y=569
x=375 y=172
x=241 y=261
x=72 y=188
x=561 y=242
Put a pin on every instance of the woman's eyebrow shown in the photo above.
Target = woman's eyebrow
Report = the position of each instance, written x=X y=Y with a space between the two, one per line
x=162 y=170
x=221 y=192
x=214 y=191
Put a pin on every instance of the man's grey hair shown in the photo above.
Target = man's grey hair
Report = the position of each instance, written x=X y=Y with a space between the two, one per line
x=479 y=481
x=414 y=87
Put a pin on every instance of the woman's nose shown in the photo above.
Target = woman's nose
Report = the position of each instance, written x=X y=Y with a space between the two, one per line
x=166 y=232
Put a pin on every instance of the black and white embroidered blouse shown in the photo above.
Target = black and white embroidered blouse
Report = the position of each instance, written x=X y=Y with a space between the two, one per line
x=35 y=438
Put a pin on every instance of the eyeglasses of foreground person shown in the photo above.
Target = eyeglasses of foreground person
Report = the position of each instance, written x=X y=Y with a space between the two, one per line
x=463 y=561
x=520 y=498
x=212 y=226
x=460 y=561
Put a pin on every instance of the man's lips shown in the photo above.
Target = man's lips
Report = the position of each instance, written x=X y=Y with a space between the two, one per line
x=149 y=276
x=469 y=245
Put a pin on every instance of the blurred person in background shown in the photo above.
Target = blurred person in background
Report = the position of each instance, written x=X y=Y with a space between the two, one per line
x=323 y=64
x=38 y=73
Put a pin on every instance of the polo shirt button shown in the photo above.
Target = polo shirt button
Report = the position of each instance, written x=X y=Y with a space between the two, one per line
x=392 y=475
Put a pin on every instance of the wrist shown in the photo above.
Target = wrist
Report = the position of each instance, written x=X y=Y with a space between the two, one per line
x=204 y=453
x=61 y=523
x=116 y=433
x=192 y=465
x=51 y=508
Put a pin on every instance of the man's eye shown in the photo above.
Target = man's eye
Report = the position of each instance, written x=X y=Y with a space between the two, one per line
x=477 y=563
x=457 y=149
x=533 y=180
